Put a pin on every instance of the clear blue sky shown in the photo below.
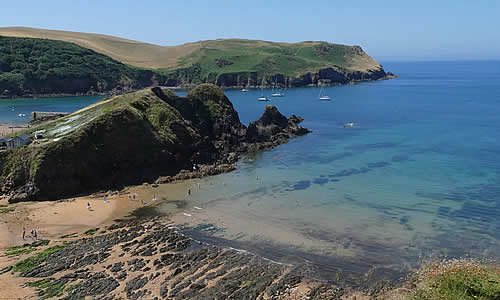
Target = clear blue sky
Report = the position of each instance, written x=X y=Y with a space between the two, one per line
x=387 y=30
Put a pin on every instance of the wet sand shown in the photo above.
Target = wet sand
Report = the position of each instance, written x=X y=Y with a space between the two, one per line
x=53 y=219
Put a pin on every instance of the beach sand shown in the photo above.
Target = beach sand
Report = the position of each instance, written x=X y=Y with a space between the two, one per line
x=6 y=129
x=53 y=219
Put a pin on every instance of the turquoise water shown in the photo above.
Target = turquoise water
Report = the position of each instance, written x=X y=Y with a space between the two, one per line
x=420 y=175
x=11 y=108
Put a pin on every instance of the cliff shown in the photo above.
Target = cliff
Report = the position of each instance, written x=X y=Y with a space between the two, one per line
x=134 y=138
x=250 y=63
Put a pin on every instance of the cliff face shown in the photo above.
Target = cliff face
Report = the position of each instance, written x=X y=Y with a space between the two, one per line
x=325 y=76
x=239 y=63
x=135 y=138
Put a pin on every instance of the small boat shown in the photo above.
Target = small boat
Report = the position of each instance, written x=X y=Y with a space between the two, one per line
x=347 y=125
x=262 y=97
x=21 y=115
x=276 y=92
x=244 y=90
x=323 y=97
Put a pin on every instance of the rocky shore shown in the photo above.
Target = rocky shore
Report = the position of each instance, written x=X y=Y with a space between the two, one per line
x=152 y=259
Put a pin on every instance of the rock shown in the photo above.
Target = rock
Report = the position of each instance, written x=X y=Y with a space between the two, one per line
x=151 y=134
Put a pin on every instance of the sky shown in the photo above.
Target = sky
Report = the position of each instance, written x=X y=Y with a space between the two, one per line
x=386 y=30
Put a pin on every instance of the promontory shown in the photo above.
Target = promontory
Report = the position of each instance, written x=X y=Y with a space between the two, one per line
x=48 y=62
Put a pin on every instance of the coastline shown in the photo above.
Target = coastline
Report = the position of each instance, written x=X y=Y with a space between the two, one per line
x=55 y=221
x=188 y=86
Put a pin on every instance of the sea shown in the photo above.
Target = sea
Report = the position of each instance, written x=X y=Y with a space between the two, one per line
x=416 y=178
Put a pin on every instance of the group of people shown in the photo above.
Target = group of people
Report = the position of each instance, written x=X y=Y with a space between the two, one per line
x=34 y=234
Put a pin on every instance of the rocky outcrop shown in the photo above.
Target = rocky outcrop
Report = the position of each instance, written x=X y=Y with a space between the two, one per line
x=138 y=138
x=333 y=75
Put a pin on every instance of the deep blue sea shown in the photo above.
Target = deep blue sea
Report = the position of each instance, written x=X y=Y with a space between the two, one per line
x=418 y=176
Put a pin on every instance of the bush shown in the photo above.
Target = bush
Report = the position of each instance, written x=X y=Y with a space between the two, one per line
x=457 y=280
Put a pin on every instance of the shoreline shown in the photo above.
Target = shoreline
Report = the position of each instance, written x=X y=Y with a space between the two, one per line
x=107 y=222
x=187 y=87
x=69 y=217
x=54 y=219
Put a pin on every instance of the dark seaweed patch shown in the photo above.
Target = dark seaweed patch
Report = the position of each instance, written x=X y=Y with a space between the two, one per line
x=336 y=156
x=373 y=146
x=349 y=172
x=301 y=185
x=443 y=211
x=404 y=220
x=320 y=181
x=380 y=164
x=349 y=198
x=400 y=158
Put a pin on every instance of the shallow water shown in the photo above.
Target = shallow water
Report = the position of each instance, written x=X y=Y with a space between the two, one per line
x=420 y=175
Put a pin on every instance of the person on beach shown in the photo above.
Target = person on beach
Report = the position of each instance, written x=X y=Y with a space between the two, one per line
x=189 y=192
x=88 y=206
x=133 y=196
x=24 y=232
x=35 y=235
x=129 y=196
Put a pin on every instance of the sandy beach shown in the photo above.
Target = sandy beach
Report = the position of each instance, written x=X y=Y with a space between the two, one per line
x=6 y=129
x=53 y=219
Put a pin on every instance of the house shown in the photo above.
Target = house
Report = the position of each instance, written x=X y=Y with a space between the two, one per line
x=7 y=143
x=21 y=140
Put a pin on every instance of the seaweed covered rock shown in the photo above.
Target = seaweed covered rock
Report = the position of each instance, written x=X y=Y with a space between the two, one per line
x=272 y=125
x=135 y=138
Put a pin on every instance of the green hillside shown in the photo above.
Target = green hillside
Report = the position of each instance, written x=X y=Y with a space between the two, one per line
x=228 y=62
x=244 y=62
x=39 y=66
x=227 y=56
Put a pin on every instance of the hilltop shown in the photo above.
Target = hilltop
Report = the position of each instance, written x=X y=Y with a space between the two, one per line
x=229 y=62
x=40 y=66
x=136 y=138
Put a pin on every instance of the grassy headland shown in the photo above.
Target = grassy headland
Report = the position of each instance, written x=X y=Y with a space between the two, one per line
x=229 y=62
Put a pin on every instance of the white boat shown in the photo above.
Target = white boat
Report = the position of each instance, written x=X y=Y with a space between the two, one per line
x=262 y=97
x=276 y=93
x=21 y=115
x=323 y=97
x=244 y=90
